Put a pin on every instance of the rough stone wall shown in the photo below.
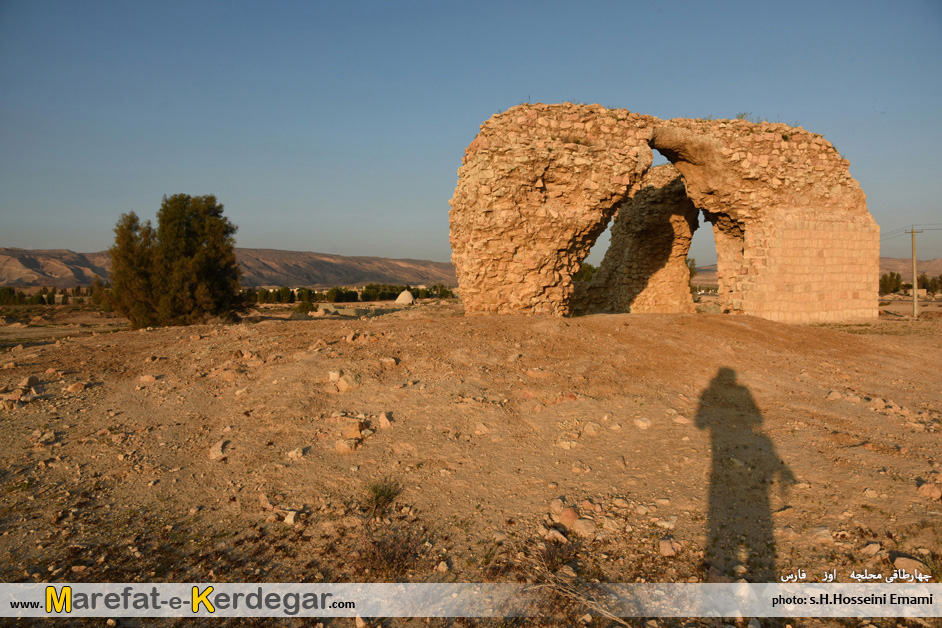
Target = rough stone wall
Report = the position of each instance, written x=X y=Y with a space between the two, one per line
x=537 y=186
x=540 y=182
x=645 y=268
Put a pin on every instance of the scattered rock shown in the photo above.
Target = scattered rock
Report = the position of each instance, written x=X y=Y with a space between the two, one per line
x=217 y=451
x=911 y=565
x=930 y=490
x=871 y=549
x=346 y=445
x=442 y=567
x=555 y=535
x=668 y=547
x=384 y=422
x=352 y=428
x=388 y=363
x=592 y=429
x=148 y=378
x=29 y=382
x=348 y=382
x=296 y=454
x=291 y=517
x=481 y=429
x=568 y=516
x=834 y=395
x=9 y=365
x=584 y=527
x=334 y=376
x=76 y=387
x=643 y=423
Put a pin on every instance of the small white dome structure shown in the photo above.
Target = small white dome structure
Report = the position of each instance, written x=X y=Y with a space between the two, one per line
x=405 y=298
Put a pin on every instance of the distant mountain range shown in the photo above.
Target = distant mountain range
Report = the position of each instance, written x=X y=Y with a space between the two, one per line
x=22 y=268
x=62 y=268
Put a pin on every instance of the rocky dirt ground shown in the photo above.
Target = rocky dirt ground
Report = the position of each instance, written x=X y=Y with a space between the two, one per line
x=427 y=446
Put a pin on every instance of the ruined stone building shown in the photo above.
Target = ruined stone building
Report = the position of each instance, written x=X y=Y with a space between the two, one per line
x=540 y=183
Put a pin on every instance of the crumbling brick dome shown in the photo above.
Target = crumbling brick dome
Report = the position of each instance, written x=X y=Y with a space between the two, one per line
x=540 y=183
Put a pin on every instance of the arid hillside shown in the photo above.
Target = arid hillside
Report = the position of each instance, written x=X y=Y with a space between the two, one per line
x=260 y=267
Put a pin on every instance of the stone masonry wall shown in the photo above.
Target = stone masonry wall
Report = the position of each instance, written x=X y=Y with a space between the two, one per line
x=645 y=268
x=540 y=182
x=537 y=186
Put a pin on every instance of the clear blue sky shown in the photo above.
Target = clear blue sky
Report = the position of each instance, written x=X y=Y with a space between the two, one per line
x=338 y=127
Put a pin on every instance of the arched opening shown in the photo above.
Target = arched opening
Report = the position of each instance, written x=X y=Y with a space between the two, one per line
x=702 y=256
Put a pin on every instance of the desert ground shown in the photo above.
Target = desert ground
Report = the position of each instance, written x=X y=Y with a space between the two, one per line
x=426 y=446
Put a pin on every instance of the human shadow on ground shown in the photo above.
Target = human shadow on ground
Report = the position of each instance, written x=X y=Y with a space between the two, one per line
x=745 y=464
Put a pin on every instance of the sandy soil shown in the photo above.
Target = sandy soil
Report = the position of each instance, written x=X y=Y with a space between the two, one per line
x=616 y=448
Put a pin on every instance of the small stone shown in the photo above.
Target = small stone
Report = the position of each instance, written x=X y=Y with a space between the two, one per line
x=568 y=516
x=557 y=536
x=148 y=378
x=481 y=429
x=871 y=549
x=347 y=383
x=291 y=517
x=584 y=527
x=334 y=376
x=9 y=365
x=643 y=423
x=618 y=502
x=592 y=429
x=384 y=422
x=930 y=490
x=346 y=445
x=76 y=387
x=217 y=451
x=834 y=395
x=500 y=536
x=557 y=505
x=442 y=567
x=361 y=623
x=296 y=454
x=682 y=420
x=668 y=547
x=388 y=363
x=911 y=565
x=352 y=428
x=620 y=462
x=29 y=382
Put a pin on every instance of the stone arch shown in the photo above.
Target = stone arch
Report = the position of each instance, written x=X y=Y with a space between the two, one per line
x=645 y=267
x=540 y=182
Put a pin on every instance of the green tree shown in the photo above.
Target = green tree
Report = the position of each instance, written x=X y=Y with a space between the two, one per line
x=890 y=282
x=182 y=272
x=133 y=292
x=586 y=272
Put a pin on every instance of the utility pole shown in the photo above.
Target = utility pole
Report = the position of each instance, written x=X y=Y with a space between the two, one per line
x=915 y=279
